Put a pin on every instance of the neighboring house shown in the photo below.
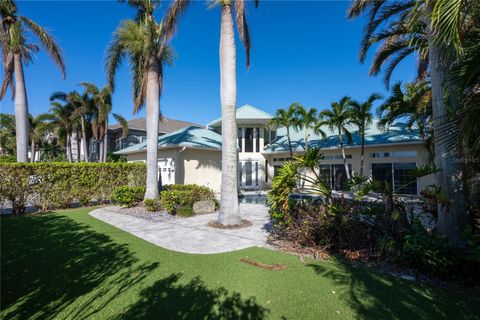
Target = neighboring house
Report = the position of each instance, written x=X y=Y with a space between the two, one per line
x=137 y=133
x=193 y=155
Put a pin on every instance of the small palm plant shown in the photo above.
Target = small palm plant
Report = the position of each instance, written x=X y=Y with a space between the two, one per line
x=39 y=126
x=337 y=119
x=307 y=120
x=286 y=118
x=17 y=52
x=142 y=41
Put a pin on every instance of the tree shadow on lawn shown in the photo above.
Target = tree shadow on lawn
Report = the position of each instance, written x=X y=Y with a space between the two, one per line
x=170 y=299
x=378 y=296
x=53 y=266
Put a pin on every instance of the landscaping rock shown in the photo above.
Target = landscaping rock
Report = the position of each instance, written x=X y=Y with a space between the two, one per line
x=202 y=207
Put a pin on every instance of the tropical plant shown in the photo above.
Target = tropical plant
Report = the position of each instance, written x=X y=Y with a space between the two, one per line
x=61 y=119
x=362 y=117
x=413 y=104
x=229 y=210
x=287 y=118
x=39 y=126
x=337 y=120
x=307 y=119
x=142 y=40
x=16 y=52
x=7 y=134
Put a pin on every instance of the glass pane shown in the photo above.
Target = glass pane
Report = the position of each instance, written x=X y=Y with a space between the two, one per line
x=325 y=175
x=405 y=183
x=382 y=172
x=266 y=137
x=248 y=173
x=257 y=140
x=340 y=176
x=256 y=173
x=248 y=139
x=239 y=139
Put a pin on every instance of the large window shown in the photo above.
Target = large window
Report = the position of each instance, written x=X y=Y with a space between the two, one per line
x=240 y=139
x=248 y=139
x=334 y=175
x=257 y=139
x=398 y=175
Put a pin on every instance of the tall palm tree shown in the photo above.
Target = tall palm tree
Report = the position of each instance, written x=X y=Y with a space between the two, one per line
x=414 y=105
x=17 y=52
x=362 y=117
x=286 y=118
x=142 y=41
x=39 y=126
x=306 y=119
x=61 y=119
x=100 y=106
x=337 y=119
x=440 y=21
x=229 y=210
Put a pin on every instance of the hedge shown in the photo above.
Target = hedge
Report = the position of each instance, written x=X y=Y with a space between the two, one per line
x=56 y=185
x=179 y=198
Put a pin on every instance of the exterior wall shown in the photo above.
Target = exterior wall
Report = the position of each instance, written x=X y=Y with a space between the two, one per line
x=202 y=167
x=355 y=152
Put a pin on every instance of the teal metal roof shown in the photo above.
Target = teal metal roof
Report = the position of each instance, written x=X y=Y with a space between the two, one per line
x=247 y=112
x=396 y=133
x=190 y=137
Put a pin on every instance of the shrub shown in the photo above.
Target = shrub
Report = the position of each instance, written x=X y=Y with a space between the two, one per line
x=128 y=196
x=57 y=185
x=151 y=204
x=174 y=197
x=8 y=158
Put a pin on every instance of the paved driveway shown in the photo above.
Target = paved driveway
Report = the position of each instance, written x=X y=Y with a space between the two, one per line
x=192 y=235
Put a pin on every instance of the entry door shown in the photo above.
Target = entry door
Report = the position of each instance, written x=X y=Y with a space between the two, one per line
x=166 y=168
x=249 y=174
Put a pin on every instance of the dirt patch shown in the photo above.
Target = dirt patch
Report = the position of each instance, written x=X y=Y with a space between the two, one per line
x=243 y=224
x=263 y=265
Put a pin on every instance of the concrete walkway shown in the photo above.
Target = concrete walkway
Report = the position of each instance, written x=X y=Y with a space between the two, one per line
x=192 y=235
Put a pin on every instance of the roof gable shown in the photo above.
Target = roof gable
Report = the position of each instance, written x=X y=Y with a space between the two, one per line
x=246 y=112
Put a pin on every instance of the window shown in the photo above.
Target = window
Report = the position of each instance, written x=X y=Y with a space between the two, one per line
x=325 y=174
x=276 y=170
x=394 y=154
x=336 y=157
x=340 y=176
x=257 y=139
x=266 y=137
x=256 y=173
x=239 y=139
x=266 y=170
x=404 y=181
x=398 y=175
x=248 y=139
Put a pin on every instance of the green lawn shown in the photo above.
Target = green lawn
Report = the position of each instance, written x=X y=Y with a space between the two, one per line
x=67 y=265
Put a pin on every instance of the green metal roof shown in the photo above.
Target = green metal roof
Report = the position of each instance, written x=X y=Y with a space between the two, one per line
x=190 y=137
x=396 y=133
x=247 y=112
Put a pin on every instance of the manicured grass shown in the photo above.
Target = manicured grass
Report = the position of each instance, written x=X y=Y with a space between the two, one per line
x=68 y=265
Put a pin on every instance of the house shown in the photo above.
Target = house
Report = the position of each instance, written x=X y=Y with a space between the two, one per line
x=137 y=133
x=193 y=154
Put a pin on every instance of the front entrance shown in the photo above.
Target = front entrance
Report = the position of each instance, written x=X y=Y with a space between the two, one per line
x=166 y=171
x=248 y=174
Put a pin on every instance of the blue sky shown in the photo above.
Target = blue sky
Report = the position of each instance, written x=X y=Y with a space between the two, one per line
x=303 y=52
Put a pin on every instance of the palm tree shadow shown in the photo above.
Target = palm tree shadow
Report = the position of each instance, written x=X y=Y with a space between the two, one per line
x=376 y=296
x=48 y=261
x=169 y=298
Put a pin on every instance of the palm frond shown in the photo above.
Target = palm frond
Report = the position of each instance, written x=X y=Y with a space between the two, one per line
x=123 y=123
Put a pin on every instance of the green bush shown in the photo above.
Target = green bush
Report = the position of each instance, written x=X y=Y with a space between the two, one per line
x=57 y=185
x=8 y=159
x=176 y=198
x=128 y=196
x=151 y=204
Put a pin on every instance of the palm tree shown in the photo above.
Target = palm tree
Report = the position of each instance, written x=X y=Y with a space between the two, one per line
x=229 y=211
x=306 y=119
x=61 y=119
x=337 y=119
x=39 y=126
x=361 y=113
x=414 y=105
x=100 y=106
x=142 y=41
x=286 y=118
x=17 y=52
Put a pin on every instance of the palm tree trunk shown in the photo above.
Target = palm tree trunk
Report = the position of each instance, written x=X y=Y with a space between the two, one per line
x=153 y=116
x=229 y=212
x=452 y=220
x=343 y=153
x=362 y=155
x=21 y=111
x=289 y=143
x=69 y=148
x=105 y=141
x=306 y=139
x=32 y=151
x=84 y=141
x=100 y=150
x=77 y=138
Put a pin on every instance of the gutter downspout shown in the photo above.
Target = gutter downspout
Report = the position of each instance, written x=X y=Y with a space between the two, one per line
x=177 y=164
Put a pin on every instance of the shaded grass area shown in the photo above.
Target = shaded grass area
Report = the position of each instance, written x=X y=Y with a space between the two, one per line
x=68 y=265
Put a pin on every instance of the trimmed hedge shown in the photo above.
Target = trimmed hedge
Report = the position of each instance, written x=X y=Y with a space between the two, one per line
x=179 y=198
x=56 y=185
x=128 y=196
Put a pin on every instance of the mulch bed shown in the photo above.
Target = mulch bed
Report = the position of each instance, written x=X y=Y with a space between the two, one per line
x=243 y=224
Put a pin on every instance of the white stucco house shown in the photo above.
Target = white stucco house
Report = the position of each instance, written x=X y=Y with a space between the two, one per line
x=193 y=154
